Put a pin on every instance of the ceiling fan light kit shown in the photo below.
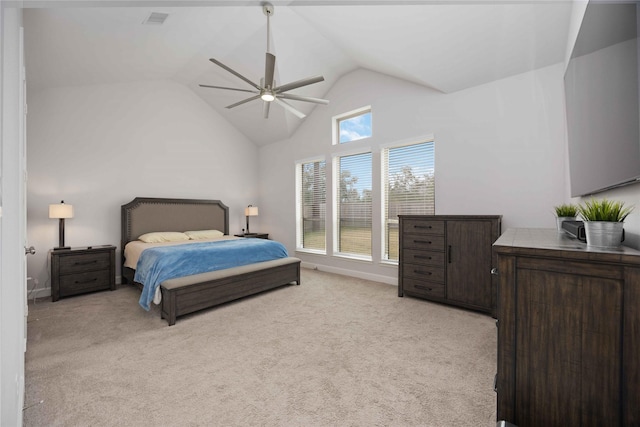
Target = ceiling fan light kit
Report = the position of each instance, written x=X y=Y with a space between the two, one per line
x=267 y=89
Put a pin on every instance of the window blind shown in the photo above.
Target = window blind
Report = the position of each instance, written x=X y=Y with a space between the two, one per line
x=353 y=202
x=313 y=205
x=408 y=172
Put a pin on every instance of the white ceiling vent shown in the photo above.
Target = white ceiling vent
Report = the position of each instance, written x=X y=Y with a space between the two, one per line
x=156 y=18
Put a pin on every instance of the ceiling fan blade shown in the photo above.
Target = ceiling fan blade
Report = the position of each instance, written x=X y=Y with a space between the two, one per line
x=229 y=88
x=290 y=108
x=235 y=73
x=302 y=98
x=269 y=69
x=243 y=101
x=299 y=83
x=265 y=109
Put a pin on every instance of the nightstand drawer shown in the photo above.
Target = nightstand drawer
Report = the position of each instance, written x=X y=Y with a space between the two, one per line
x=423 y=272
x=428 y=242
x=424 y=288
x=89 y=281
x=70 y=264
x=422 y=226
x=413 y=256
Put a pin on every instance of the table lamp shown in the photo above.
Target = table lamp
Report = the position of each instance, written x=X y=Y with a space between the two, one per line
x=61 y=212
x=250 y=211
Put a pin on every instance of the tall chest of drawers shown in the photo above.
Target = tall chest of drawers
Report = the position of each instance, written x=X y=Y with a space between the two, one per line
x=80 y=270
x=448 y=259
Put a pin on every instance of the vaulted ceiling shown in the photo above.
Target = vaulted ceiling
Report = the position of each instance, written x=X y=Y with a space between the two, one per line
x=447 y=46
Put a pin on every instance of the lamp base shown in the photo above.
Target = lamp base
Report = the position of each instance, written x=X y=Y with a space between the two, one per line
x=62 y=248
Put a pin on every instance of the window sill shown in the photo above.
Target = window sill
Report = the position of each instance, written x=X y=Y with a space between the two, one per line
x=353 y=257
x=388 y=263
x=311 y=251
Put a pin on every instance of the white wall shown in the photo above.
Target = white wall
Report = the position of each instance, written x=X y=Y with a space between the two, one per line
x=630 y=194
x=500 y=149
x=98 y=147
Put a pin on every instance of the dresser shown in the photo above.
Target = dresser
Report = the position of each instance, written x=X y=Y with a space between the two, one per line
x=568 y=331
x=79 y=270
x=448 y=259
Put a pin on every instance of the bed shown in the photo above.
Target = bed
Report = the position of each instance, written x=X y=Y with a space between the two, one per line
x=184 y=295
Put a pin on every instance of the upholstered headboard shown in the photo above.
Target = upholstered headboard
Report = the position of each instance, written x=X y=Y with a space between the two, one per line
x=148 y=214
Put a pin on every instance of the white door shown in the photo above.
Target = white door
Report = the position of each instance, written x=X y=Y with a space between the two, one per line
x=12 y=218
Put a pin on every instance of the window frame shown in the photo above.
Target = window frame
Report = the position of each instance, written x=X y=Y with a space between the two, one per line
x=299 y=165
x=335 y=124
x=384 y=172
x=336 y=204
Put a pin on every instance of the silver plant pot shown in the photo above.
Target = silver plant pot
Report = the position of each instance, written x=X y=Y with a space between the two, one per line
x=604 y=234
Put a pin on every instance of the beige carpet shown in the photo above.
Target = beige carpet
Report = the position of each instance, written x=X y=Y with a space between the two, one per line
x=335 y=351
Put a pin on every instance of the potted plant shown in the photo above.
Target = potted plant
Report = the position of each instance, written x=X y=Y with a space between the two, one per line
x=603 y=222
x=565 y=212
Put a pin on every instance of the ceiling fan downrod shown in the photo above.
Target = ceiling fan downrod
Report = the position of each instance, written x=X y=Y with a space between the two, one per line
x=267 y=9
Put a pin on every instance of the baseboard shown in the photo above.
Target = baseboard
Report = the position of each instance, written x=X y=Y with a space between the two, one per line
x=351 y=273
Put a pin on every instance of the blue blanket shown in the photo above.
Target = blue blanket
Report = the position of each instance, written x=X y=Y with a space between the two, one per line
x=162 y=263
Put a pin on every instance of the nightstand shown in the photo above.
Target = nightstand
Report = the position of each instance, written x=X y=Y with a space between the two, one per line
x=81 y=270
x=254 y=235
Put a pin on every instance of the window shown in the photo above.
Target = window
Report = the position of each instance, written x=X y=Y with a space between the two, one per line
x=353 y=205
x=352 y=126
x=408 y=173
x=312 y=204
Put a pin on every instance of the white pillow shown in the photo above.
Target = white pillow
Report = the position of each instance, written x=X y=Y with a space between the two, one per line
x=203 y=234
x=163 y=236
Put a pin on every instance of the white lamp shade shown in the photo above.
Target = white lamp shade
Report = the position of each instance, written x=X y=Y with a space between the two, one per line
x=61 y=211
x=251 y=211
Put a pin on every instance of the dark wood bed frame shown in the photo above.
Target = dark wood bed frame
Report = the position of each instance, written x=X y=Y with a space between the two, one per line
x=193 y=293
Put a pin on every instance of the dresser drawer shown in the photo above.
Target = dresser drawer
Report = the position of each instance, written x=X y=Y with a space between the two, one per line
x=71 y=284
x=84 y=262
x=413 y=256
x=423 y=242
x=424 y=288
x=423 y=272
x=416 y=226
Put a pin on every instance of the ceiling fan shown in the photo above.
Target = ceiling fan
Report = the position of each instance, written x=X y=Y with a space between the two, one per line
x=267 y=89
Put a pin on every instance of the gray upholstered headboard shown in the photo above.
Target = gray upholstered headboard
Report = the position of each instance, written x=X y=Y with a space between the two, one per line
x=148 y=214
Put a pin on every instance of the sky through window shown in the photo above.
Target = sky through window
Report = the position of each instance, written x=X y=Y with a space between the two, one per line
x=355 y=128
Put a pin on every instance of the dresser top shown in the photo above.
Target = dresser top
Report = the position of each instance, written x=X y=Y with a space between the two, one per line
x=541 y=241
x=452 y=217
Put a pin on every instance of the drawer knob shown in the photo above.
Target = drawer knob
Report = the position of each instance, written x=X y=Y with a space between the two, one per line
x=424 y=288
x=85 y=262
x=422 y=241
x=494 y=271
x=427 y=273
x=428 y=227
x=422 y=257
x=78 y=282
